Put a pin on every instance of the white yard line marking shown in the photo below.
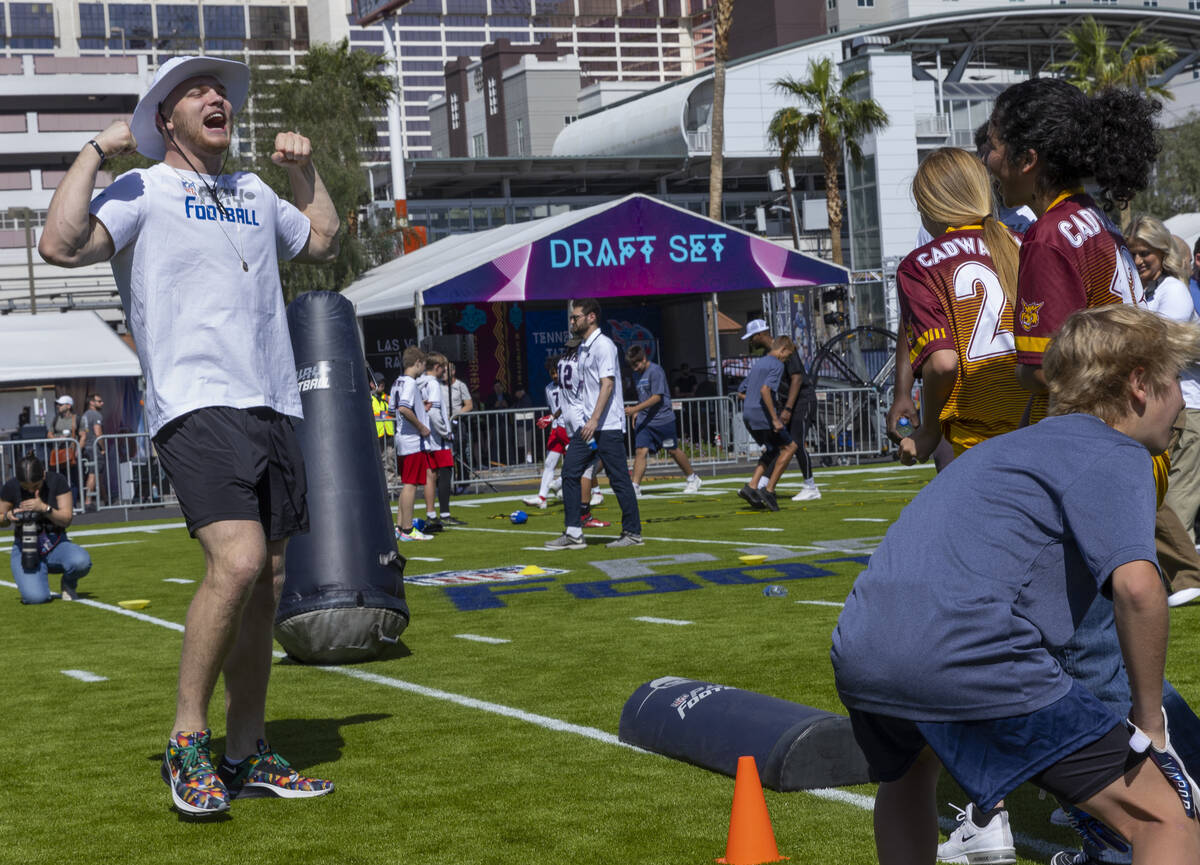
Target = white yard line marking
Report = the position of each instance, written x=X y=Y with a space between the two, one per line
x=421 y=559
x=645 y=537
x=761 y=529
x=84 y=676
x=179 y=580
x=480 y=639
x=857 y=800
x=109 y=543
x=124 y=530
x=656 y=621
x=823 y=603
x=865 y=520
x=875 y=492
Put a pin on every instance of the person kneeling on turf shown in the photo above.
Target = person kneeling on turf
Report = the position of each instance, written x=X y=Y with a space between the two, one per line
x=1015 y=538
x=45 y=499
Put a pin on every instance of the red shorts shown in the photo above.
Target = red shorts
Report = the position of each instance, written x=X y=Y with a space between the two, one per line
x=558 y=440
x=442 y=459
x=413 y=467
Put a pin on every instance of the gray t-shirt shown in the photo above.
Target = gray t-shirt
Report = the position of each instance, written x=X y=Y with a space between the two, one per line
x=991 y=566
x=653 y=380
x=767 y=370
x=91 y=420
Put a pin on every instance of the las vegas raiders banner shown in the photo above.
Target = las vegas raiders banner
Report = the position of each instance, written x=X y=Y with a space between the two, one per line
x=343 y=595
x=796 y=747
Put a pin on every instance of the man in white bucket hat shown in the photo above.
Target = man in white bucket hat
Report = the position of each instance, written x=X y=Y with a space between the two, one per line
x=195 y=254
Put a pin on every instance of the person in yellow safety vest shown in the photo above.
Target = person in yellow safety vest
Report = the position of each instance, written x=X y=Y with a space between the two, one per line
x=385 y=427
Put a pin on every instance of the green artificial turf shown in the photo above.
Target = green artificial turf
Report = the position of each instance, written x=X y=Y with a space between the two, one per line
x=424 y=777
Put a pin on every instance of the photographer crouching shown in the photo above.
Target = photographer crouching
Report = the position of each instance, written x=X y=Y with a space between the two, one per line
x=41 y=505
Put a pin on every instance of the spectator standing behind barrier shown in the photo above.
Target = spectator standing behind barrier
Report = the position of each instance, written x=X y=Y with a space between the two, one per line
x=385 y=428
x=602 y=434
x=441 y=460
x=653 y=420
x=460 y=403
x=1161 y=270
x=91 y=427
x=685 y=382
x=195 y=254
x=412 y=440
x=47 y=495
x=764 y=423
x=65 y=426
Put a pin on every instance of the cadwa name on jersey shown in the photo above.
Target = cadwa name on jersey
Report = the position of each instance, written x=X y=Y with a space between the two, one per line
x=952 y=247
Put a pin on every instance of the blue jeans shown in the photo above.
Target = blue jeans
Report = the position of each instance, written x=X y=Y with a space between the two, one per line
x=71 y=560
x=1093 y=657
x=610 y=447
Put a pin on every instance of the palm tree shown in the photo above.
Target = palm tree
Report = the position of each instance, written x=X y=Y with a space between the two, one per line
x=784 y=135
x=1095 y=65
x=722 y=22
x=829 y=109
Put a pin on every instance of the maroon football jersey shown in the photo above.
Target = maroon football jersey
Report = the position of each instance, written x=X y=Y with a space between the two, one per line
x=951 y=298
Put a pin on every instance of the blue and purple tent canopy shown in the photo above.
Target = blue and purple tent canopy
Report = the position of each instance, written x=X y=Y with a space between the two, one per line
x=634 y=246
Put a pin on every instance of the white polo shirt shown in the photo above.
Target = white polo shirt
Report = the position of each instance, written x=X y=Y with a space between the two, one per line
x=598 y=359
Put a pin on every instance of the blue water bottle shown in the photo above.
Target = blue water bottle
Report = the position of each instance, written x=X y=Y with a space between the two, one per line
x=774 y=591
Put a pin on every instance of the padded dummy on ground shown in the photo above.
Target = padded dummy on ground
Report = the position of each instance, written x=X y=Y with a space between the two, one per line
x=343 y=596
x=796 y=747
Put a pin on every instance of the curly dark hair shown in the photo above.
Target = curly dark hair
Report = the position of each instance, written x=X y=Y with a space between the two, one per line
x=1111 y=136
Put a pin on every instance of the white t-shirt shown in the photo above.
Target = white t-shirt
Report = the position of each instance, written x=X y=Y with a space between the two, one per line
x=554 y=400
x=598 y=359
x=570 y=393
x=208 y=333
x=405 y=393
x=439 y=420
x=1171 y=299
x=459 y=394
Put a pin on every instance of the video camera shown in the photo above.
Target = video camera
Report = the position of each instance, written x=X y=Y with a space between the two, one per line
x=28 y=524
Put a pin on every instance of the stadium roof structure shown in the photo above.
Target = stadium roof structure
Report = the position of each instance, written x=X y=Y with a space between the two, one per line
x=632 y=246
x=84 y=346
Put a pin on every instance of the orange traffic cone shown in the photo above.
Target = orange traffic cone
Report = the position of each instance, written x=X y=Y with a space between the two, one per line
x=751 y=841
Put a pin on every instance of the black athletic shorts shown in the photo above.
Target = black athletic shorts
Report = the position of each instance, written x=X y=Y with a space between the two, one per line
x=236 y=464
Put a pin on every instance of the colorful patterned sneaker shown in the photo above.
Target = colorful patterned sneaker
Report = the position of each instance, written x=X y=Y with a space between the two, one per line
x=413 y=534
x=196 y=790
x=267 y=774
x=591 y=522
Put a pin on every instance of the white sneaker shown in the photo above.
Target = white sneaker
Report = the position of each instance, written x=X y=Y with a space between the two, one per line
x=556 y=486
x=413 y=535
x=808 y=493
x=692 y=485
x=535 y=501
x=637 y=491
x=972 y=845
x=597 y=499
x=1183 y=596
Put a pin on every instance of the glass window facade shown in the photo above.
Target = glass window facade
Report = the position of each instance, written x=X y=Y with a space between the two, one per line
x=92 y=29
x=32 y=25
x=130 y=26
x=270 y=28
x=178 y=28
x=224 y=28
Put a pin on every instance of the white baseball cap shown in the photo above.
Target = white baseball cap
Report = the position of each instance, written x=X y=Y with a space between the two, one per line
x=233 y=74
x=755 y=326
x=65 y=400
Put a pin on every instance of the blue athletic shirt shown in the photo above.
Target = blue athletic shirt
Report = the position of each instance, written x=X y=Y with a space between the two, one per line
x=653 y=380
x=767 y=370
x=992 y=564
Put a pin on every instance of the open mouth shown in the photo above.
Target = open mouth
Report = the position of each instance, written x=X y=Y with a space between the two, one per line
x=216 y=120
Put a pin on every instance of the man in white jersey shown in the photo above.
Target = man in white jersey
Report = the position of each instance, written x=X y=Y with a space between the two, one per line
x=195 y=254
x=441 y=460
x=603 y=431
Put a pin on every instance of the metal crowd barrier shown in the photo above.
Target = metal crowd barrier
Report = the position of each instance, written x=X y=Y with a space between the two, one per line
x=57 y=454
x=506 y=445
x=850 y=425
x=128 y=473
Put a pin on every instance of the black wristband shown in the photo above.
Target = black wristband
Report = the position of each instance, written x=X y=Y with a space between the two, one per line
x=99 y=151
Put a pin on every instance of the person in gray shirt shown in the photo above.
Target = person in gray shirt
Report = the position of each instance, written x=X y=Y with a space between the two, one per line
x=765 y=425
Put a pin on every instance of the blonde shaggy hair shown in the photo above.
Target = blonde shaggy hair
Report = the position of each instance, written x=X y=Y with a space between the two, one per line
x=1090 y=359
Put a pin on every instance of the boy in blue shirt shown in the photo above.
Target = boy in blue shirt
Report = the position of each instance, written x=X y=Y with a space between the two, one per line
x=950 y=659
x=765 y=426
x=653 y=420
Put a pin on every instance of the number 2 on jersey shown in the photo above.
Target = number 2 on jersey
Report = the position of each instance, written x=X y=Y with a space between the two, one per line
x=989 y=338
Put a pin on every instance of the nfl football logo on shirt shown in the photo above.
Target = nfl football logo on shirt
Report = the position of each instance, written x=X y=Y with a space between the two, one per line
x=1030 y=314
